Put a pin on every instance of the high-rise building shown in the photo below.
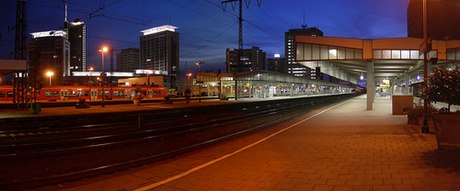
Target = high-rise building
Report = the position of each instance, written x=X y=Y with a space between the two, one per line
x=442 y=19
x=277 y=64
x=159 y=51
x=128 y=60
x=290 y=50
x=77 y=40
x=252 y=59
x=51 y=52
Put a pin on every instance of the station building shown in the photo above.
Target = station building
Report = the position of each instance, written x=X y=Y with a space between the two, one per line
x=397 y=62
x=261 y=85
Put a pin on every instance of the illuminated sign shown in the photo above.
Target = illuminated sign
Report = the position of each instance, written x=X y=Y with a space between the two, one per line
x=277 y=56
x=116 y=74
x=159 y=29
x=48 y=34
x=77 y=23
x=144 y=71
x=155 y=72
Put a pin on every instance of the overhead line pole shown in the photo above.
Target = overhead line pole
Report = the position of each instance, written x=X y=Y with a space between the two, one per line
x=240 y=33
x=240 y=28
x=20 y=49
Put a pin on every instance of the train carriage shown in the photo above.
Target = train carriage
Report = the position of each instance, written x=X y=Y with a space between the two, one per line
x=75 y=93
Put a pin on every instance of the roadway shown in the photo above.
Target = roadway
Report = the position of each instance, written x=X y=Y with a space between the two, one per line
x=342 y=147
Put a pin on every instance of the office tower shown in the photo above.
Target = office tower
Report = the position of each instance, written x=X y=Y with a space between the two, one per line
x=77 y=40
x=252 y=59
x=277 y=64
x=51 y=49
x=128 y=60
x=290 y=51
x=442 y=19
x=159 y=51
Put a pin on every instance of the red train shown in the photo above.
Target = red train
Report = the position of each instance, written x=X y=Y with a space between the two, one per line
x=67 y=93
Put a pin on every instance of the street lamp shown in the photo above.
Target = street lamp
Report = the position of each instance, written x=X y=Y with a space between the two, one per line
x=90 y=82
x=103 y=50
x=200 y=83
x=49 y=74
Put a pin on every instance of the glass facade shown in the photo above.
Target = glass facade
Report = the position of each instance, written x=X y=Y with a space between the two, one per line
x=306 y=52
x=397 y=55
x=453 y=54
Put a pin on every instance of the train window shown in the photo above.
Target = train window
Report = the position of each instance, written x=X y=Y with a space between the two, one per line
x=121 y=93
x=79 y=92
x=2 y=94
x=115 y=93
x=86 y=93
x=150 y=92
x=55 y=93
x=47 y=94
x=100 y=93
x=72 y=93
x=10 y=94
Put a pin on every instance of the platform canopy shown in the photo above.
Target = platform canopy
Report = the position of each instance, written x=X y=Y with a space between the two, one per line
x=392 y=57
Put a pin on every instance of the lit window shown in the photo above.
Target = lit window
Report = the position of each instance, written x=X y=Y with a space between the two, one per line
x=396 y=54
x=405 y=54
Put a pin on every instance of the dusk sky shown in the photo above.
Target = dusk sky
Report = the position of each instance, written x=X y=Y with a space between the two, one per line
x=205 y=30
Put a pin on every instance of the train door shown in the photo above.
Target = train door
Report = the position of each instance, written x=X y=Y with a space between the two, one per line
x=64 y=95
x=93 y=95
x=129 y=94
x=150 y=93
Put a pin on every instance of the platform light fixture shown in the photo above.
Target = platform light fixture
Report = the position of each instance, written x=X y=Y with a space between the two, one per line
x=49 y=74
x=103 y=50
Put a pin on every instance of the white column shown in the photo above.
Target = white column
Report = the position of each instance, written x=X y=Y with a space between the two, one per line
x=370 y=85
x=406 y=85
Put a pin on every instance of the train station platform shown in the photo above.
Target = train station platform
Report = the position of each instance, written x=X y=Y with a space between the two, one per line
x=95 y=108
x=343 y=147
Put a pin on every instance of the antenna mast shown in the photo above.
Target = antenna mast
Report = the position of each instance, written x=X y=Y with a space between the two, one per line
x=66 y=23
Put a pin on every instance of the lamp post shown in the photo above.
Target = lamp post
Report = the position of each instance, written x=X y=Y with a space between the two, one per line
x=49 y=74
x=90 y=82
x=200 y=83
x=425 y=128
x=189 y=78
x=103 y=50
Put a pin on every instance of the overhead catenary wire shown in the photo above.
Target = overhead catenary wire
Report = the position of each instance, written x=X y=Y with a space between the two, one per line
x=213 y=39
x=116 y=16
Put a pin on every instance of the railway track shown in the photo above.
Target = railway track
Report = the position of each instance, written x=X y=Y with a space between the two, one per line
x=41 y=157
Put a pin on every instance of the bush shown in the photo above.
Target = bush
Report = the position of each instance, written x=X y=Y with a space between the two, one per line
x=444 y=86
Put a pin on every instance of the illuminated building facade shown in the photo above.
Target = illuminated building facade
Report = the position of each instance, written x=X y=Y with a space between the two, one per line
x=159 y=51
x=442 y=19
x=290 y=51
x=252 y=59
x=49 y=51
x=128 y=60
x=77 y=40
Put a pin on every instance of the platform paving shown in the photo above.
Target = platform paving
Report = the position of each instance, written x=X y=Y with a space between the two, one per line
x=344 y=147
